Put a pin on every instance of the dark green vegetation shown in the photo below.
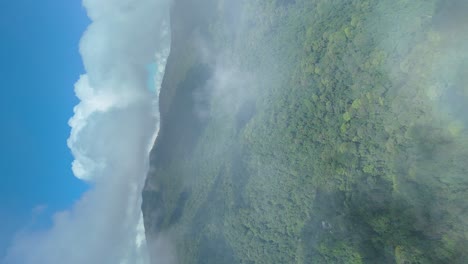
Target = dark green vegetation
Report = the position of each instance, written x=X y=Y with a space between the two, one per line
x=313 y=131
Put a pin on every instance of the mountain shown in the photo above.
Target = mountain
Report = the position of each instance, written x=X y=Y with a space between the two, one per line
x=312 y=131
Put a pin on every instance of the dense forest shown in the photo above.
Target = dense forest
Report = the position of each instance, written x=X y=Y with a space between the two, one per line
x=313 y=131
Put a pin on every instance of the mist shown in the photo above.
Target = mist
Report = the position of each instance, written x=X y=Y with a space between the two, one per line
x=313 y=131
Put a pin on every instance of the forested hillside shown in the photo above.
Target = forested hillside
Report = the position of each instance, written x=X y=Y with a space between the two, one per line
x=313 y=131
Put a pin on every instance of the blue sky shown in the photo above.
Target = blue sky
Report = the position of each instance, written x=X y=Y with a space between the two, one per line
x=113 y=127
x=39 y=64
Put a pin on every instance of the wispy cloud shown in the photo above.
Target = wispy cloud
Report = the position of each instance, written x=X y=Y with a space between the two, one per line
x=113 y=129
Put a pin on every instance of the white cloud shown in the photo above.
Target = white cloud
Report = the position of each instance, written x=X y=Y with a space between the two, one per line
x=113 y=129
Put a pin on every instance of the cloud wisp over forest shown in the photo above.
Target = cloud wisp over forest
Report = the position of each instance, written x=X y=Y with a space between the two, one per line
x=112 y=131
x=304 y=123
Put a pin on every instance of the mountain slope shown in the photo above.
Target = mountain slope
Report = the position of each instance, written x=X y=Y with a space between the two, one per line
x=312 y=132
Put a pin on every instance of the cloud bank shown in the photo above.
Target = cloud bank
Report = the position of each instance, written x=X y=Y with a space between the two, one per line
x=113 y=129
